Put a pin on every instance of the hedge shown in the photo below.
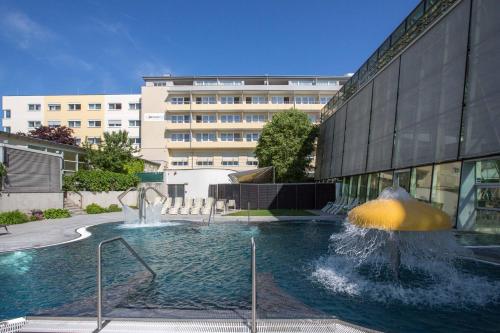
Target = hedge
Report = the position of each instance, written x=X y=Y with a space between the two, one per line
x=94 y=208
x=13 y=217
x=56 y=213
x=99 y=181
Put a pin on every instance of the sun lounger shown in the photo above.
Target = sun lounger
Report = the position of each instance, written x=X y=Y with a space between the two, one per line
x=5 y=227
x=187 y=206
x=208 y=205
x=176 y=207
x=197 y=206
x=220 y=206
x=166 y=206
x=231 y=204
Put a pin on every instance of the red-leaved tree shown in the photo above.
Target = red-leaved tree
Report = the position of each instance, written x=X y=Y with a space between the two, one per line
x=61 y=134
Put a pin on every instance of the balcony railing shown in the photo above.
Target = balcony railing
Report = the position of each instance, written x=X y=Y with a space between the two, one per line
x=425 y=14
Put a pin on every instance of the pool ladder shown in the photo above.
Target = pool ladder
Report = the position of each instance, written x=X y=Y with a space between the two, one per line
x=99 y=272
x=253 y=327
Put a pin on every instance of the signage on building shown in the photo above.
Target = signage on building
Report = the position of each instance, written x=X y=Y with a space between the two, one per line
x=154 y=117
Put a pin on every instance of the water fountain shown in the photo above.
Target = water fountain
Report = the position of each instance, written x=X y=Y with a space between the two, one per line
x=396 y=248
x=149 y=212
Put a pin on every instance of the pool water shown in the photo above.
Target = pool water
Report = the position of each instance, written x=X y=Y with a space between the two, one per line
x=202 y=268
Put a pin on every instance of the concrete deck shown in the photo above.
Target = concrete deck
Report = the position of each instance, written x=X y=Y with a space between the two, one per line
x=50 y=232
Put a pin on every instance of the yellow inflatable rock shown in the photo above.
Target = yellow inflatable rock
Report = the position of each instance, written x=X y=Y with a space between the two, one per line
x=392 y=214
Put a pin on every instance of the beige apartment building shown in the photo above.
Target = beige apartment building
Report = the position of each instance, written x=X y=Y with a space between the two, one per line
x=190 y=122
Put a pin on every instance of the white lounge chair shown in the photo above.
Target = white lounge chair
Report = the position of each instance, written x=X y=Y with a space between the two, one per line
x=231 y=204
x=177 y=205
x=335 y=207
x=208 y=205
x=220 y=206
x=328 y=206
x=188 y=203
x=197 y=205
x=166 y=206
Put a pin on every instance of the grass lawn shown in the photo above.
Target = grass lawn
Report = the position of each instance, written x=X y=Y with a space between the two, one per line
x=273 y=212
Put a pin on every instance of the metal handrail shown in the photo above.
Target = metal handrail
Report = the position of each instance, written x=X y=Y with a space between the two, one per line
x=99 y=269
x=212 y=212
x=120 y=197
x=254 y=289
x=157 y=192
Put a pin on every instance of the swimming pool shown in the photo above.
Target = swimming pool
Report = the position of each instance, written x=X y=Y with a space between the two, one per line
x=205 y=269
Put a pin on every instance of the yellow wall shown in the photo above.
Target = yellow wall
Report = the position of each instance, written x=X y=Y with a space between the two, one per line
x=84 y=115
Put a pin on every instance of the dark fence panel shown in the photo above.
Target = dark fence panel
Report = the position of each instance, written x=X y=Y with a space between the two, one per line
x=275 y=196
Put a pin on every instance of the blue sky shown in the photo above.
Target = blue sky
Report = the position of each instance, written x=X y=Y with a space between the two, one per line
x=92 y=46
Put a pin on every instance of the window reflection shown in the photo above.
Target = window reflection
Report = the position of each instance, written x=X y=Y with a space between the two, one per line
x=445 y=187
x=421 y=179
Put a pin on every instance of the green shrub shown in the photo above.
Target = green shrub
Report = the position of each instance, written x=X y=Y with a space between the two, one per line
x=99 y=181
x=56 y=213
x=113 y=208
x=13 y=217
x=134 y=166
x=94 y=208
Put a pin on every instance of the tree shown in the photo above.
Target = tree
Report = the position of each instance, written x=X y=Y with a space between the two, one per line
x=61 y=134
x=113 y=154
x=287 y=143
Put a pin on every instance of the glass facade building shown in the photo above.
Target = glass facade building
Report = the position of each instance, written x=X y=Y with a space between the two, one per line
x=428 y=119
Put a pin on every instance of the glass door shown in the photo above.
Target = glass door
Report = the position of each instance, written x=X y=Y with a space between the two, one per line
x=402 y=179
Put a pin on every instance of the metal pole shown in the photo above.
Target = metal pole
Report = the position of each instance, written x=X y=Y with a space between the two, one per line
x=254 y=289
x=248 y=211
x=99 y=289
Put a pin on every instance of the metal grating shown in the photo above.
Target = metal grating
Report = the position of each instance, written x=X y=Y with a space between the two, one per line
x=74 y=325
x=13 y=325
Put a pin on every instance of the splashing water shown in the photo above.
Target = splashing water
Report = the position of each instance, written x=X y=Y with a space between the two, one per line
x=431 y=267
x=153 y=217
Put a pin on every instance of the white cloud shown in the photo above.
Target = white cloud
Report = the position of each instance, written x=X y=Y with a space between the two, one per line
x=18 y=28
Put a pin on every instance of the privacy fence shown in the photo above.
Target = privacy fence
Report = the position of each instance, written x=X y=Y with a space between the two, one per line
x=30 y=171
x=275 y=196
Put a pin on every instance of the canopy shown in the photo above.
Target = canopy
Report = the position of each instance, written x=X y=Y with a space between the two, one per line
x=260 y=175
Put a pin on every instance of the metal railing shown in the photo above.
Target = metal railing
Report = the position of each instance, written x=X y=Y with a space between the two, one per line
x=99 y=272
x=254 y=288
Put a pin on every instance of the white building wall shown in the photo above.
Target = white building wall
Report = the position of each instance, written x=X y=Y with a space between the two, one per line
x=124 y=115
x=18 y=106
x=197 y=180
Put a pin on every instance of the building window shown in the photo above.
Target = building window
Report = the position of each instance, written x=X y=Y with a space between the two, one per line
x=305 y=100
x=34 y=123
x=180 y=137
x=230 y=100
x=256 y=118
x=94 y=140
x=385 y=180
x=178 y=100
x=204 y=161
x=7 y=129
x=179 y=119
x=205 y=100
x=74 y=123
x=134 y=123
x=256 y=100
x=114 y=106
x=205 y=83
x=280 y=100
x=134 y=106
x=231 y=82
x=312 y=118
x=74 y=107
x=78 y=141
x=94 y=123
x=230 y=118
x=94 y=106
x=6 y=114
x=160 y=83
x=230 y=137
x=253 y=137
x=53 y=123
x=180 y=161
x=135 y=141
x=420 y=183
x=115 y=123
x=252 y=161
x=325 y=99
x=301 y=82
x=54 y=107
x=230 y=161
x=34 y=107
x=445 y=186
x=327 y=83
x=201 y=137
x=206 y=118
